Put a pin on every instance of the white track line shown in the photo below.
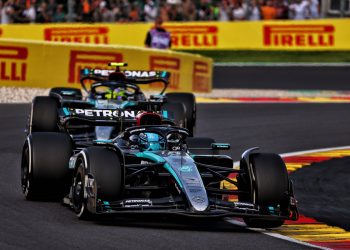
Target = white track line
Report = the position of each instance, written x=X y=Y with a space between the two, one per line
x=277 y=235
x=236 y=163
x=314 y=151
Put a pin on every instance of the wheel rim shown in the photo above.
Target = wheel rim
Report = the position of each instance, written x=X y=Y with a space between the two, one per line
x=25 y=172
x=78 y=194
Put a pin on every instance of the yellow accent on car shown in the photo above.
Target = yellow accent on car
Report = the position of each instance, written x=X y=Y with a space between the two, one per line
x=117 y=64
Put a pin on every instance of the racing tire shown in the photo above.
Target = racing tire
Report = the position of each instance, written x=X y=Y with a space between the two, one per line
x=59 y=93
x=44 y=116
x=189 y=101
x=176 y=112
x=270 y=187
x=44 y=168
x=201 y=146
x=104 y=166
x=78 y=194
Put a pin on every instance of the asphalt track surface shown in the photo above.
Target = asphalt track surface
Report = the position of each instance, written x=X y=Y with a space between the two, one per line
x=283 y=77
x=276 y=128
x=323 y=189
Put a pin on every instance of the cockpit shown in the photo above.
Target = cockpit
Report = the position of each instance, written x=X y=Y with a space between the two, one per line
x=153 y=138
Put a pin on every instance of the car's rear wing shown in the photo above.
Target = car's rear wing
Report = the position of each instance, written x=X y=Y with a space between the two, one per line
x=137 y=75
x=131 y=76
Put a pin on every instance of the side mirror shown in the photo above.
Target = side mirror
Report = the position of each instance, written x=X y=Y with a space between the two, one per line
x=220 y=146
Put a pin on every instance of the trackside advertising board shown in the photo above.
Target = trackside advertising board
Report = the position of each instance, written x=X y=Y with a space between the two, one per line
x=325 y=34
x=52 y=64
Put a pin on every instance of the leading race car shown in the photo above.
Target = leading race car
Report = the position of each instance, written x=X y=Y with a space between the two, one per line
x=156 y=169
x=116 y=89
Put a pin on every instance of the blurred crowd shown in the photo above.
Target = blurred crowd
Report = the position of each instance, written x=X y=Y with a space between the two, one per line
x=45 y=11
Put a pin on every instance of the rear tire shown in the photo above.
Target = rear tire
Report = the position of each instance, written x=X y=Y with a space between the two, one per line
x=176 y=112
x=44 y=169
x=44 y=116
x=189 y=101
x=105 y=167
x=271 y=186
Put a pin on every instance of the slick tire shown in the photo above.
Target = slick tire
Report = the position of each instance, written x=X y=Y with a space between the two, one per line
x=189 y=101
x=44 y=115
x=271 y=186
x=102 y=165
x=176 y=112
x=44 y=168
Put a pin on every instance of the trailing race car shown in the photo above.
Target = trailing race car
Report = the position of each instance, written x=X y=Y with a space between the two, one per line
x=116 y=89
x=156 y=169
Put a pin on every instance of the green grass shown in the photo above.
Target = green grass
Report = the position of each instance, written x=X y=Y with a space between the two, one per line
x=275 y=56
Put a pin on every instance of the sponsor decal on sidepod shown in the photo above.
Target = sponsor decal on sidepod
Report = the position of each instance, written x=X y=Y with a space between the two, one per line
x=105 y=113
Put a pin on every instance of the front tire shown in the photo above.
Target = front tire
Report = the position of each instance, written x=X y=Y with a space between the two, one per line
x=270 y=187
x=44 y=116
x=104 y=166
x=44 y=168
x=78 y=194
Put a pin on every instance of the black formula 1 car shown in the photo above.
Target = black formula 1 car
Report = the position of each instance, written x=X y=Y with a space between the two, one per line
x=116 y=89
x=158 y=169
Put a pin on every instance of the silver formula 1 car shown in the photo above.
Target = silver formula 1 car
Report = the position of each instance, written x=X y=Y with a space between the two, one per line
x=157 y=169
x=117 y=89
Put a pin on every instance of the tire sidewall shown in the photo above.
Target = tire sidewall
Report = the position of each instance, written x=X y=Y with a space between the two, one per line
x=44 y=166
x=26 y=171
x=44 y=114
x=257 y=166
x=189 y=102
x=178 y=113
x=79 y=203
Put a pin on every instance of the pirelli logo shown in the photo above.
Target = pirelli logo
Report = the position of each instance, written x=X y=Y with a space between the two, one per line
x=89 y=59
x=170 y=64
x=13 y=63
x=97 y=35
x=201 y=77
x=298 y=35
x=193 y=36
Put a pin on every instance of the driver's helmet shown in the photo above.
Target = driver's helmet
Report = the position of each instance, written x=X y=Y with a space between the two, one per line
x=116 y=94
x=151 y=142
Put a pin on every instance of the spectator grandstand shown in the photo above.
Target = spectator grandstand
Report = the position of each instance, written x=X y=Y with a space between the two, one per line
x=47 y=11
